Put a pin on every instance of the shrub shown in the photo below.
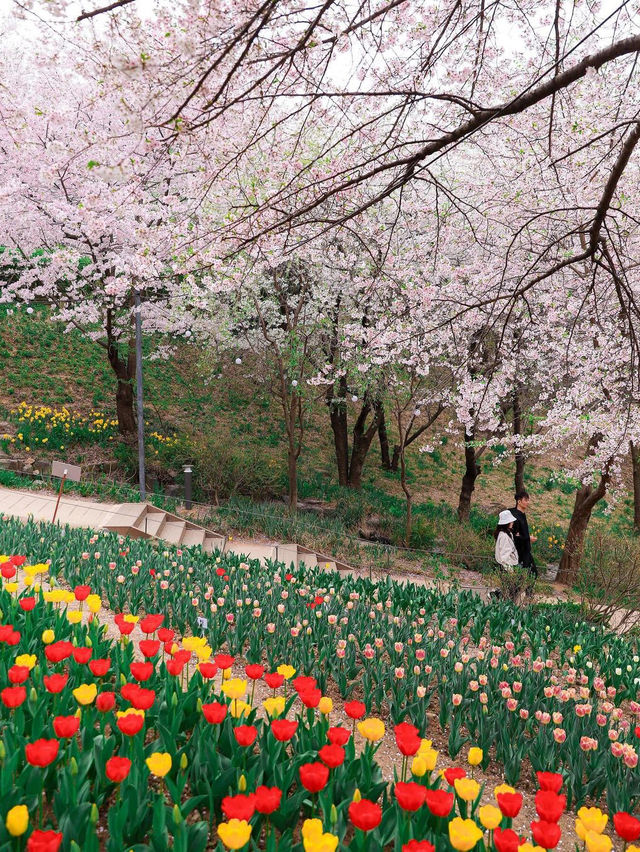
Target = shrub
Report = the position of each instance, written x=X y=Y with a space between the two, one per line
x=609 y=581
x=223 y=469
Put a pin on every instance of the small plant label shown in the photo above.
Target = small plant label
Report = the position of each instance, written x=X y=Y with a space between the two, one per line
x=203 y=623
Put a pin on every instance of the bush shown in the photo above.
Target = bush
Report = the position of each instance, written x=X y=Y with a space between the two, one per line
x=515 y=585
x=223 y=469
x=609 y=582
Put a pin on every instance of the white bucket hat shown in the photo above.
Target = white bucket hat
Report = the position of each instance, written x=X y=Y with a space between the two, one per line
x=506 y=517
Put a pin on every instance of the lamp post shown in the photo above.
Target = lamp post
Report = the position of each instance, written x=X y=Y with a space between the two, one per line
x=141 y=464
x=188 y=470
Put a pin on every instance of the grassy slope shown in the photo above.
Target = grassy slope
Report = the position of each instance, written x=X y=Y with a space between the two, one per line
x=41 y=364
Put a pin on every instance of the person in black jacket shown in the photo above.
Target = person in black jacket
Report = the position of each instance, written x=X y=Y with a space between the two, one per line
x=521 y=535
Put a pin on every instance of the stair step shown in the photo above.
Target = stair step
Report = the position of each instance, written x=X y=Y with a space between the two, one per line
x=213 y=543
x=152 y=523
x=172 y=531
x=193 y=537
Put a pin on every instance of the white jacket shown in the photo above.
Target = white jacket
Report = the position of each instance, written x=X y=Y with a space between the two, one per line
x=506 y=553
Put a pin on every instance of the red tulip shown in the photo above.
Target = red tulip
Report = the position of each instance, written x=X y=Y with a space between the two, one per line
x=131 y=724
x=82 y=592
x=215 y=712
x=418 y=846
x=410 y=796
x=365 y=815
x=125 y=627
x=314 y=776
x=546 y=834
x=338 y=736
x=245 y=735
x=8 y=570
x=117 y=768
x=41 y=752
x=208 y=670
x=304 y=682
x=283 y=729
x=355 y=709
x=18 y=674
x=141 y=671
x=267 y=799
x=18 y=561
x=165 y=635
x=13 y=696
x=150 y=623
x=142 y=699
x=405 y=729
x=439 y=802
x=223 y=661
x=27 y=604
x=106 y=701
x=239 y=807
x=220 y=572
x=510 y=804
x=149 y=647
x=254 y=671
x=44 y=841
x=82 y=655
x=174 y=667
x=310 y=697
x=182 y=656
x=505 y=840
x=66 y=726
x=274 y=680
x=332 y=755
x=453 y=773
x=549 y=805
x=58 y=651
x=56 y=682
x=99 y=668
x=627 y=827
x=550 y=781
x=408 y=744
x=13 y=638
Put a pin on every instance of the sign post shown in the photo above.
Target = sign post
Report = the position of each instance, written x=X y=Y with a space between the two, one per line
x=65 y=471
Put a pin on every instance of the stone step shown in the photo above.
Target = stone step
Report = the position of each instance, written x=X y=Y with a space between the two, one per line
x=172 y=531
x=193 y=537
x=152 y=523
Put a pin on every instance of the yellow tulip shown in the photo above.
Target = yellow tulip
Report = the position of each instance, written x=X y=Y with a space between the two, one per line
x=48 y=636
x=94 y=602
x=28 y=581
x=418 y=766
x=475 y=756
x=235 y=687
x=311 y=828
x=357 y=795
x=68 y=596
x=464 y=834
x=502 y=788
x=286 y=671
x=11 y=587
x=203 y=653
x=467 y=789
x=371 y=729
x=4 y=558
x=597 y=842
x=131 y=619
x=85 y=693
x=190 y=643
x=74 y=616
x=159 y=763
x=430 y=757
x=490 y=816
x=239 y=708
x=234 y=834
x=325 y=705
x=315 y=839
x=17 y=820
x=130 y=711
x=274 y=706
x=28 y=660
x=592 y=819
x=529 y=847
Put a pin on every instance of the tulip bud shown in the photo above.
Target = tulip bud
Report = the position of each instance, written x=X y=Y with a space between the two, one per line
x=74 y=847
x=177 y=815
x=357 y=796
x=123 y=679
x=73 y=767
x=199 y=705
x=3 y=751
x=333 y=815
x=174 y=700
x=88 y=642
x=33 y=695
x=95 y=815
x=184 y=761
x=242 y=783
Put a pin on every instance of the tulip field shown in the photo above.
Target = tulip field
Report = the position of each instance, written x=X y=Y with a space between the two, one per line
x=130 y=716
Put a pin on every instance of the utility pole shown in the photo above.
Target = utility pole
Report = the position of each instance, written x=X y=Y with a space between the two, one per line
x=141 y=466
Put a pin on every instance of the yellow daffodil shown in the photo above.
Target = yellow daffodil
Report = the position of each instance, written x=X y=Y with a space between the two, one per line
x=274 y=706
x=591 y=819
x=490 y=816
x=159 y=763
x=17 y=820
x=325 y=705
x=597 y=842
x=234 y=834
x=464 y=834
x=85 y=693
x=475 y=756
x=48 y=636
x=286 y=671
x=234 y=688
x=371 y=729
x=74 y=616
x=28 y=660
x=467 y=789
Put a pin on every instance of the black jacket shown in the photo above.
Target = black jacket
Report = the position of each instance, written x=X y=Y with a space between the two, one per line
x=522 y=538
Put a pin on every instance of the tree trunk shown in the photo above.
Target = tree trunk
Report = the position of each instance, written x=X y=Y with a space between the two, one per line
x=586 y=499
x=362 y=439
x=517 y=430
x=471 y=473
x=409 y=498
x=635 y=465
x=395 y=461
x=292 y=470
x=124 y=368
x=383 y=437
x=338 y=417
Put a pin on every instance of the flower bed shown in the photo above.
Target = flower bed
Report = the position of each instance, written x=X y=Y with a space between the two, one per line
x=544 y=694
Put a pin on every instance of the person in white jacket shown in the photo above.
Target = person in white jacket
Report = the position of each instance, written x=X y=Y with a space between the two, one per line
x=506 y=552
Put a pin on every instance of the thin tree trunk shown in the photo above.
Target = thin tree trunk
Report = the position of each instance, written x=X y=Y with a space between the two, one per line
x=124 y=369
x=471 y=473
x=339 y=426
x=635 y=465
x=409 y=499
x=292 y=470
x=362 y=439
x=586 y=499
x=383 y=437
x=517 y=430
x=395 y=461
